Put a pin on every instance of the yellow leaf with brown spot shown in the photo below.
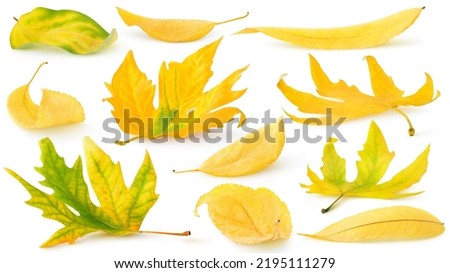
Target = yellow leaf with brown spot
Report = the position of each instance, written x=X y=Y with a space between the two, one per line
x=172 y=30
x=55 y=108
x=247 y=216
x=391 y=223
x=252 y=153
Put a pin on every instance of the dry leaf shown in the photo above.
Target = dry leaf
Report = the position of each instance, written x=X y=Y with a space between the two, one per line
x=70 y=30
x=347 y=102
x=251 y=154
x=391 y=223
x=172 y=30
x=183 y=107
x=372 y=166
x=55 y=108
x=357 y=36
x=247 y=216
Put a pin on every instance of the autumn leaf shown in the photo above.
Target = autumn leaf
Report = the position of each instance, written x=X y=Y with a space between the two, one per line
x=372 y=166
x=391 y=223
x=347 y=102
x=172 y=30
x=183 y=107
x=250 y=154
x=356 y=36
x=122 y=209
x=55 y=108
x=247 y=216
x=70 y=30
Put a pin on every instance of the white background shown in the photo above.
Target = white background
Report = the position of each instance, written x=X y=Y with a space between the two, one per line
x=422 y=48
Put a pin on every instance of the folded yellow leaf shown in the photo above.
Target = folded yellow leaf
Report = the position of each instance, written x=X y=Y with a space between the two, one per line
x=250 y=154
x=55 y=108
x=339 y=101
x=357 y=36
x=391 y=223
x=171 y=30
x=247 y=216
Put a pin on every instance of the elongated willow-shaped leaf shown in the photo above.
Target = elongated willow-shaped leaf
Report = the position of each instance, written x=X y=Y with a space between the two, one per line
x=356 y=36
x=70 y=30
x=391 y=223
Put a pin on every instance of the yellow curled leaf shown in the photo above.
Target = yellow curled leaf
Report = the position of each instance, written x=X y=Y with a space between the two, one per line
x=247 y=216
x=55 y=108
x=172 y=30
x=70 y=30
x=250 y=154
x=356 y=36
x=391 y=223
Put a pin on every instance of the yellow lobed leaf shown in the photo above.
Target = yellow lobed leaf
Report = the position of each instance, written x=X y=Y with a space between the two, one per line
x=184 y=106
x=356 y=36
x=54 y=109
x=247 y=216
x=172 y=30
x=251 y=154
x=339 y=102
x=391 y=223
x=371 y=168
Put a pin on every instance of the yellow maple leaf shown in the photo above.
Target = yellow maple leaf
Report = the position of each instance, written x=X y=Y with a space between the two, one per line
x=172 y=30
x=347 y=102
x=248 y=155
x=184 y=108
x=55 y=108
x=390 y=223
x=246 y=215
x=372 y=166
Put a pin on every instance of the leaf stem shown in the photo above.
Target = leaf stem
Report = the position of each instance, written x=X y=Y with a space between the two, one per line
x=125 y=142
x=332 y=204
x=411 y=130
x=185 y=233
x=186 y=171
x=37 y=70
x=234 y=19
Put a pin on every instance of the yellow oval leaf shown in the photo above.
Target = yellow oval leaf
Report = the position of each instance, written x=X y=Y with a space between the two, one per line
x=55 y=108
x=171 y=30
x=391 y=223
x=247 y=216
x=356 y=36
x=251 y=154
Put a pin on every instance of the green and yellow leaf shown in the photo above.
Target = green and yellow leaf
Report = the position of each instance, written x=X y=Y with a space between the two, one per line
x=372 y=166
x=70 y=30
x=122 y=209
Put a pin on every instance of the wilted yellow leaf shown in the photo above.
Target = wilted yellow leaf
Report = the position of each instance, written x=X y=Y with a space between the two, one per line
x=391 y=223
x=55 y=108
x=172 y=30
x=184 y=108
x=357 y=36
x=347 y=102
x=247 y=216
x=250 y=154
x=374 y=162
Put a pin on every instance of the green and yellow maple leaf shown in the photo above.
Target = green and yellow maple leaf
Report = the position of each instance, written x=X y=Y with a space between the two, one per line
x=184 y=108
x=372 y=166
x=122 y=209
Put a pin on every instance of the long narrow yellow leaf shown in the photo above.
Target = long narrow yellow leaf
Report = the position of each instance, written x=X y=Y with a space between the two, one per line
x=391 y=223
x=356 y=36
